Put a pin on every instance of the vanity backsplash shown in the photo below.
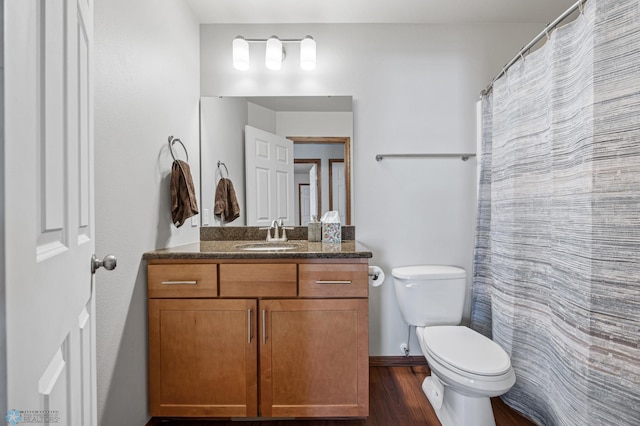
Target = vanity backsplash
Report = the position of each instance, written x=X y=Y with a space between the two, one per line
x=254 y=233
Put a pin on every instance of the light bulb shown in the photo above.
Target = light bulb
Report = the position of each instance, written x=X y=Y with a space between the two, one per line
x=273 y=56
x=240 y=53
x=308 y=53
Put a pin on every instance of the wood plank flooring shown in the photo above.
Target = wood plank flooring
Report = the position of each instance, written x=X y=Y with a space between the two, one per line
x=395 y=398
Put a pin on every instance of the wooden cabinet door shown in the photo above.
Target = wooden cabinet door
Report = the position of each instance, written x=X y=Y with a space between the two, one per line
x=203 y=357
x=314 y=358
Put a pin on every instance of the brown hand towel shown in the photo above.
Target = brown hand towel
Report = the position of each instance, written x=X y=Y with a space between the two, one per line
x=226 y=204
x=183 y=195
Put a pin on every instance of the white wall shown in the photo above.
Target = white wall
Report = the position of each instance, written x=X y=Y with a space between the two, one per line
x=314 y=123
x=262 y=118
x=146 y=88
x=222 y=122
x=318 y=123
x=415 y=89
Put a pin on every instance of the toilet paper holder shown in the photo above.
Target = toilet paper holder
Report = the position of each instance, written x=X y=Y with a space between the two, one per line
x=376 y=276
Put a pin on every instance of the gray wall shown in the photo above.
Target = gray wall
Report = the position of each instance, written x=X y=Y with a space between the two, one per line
x=222 y=122
x=146 y=88
x=414 y=90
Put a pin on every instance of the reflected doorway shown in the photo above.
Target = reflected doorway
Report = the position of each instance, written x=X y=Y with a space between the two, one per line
x=308 y=180
x=337 y=149
x=337 y=187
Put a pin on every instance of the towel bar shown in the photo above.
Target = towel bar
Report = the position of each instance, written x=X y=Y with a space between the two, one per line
x=173 y=141
x=220 y=163
x=463 y=157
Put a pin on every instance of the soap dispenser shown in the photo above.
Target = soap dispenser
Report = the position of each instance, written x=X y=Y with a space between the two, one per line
x=314 y=230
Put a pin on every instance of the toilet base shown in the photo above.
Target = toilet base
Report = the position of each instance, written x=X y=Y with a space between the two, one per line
x=456 y=409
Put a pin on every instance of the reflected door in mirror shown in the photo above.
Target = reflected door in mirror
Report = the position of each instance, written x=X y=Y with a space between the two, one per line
x=337 y=188
x=269 y=177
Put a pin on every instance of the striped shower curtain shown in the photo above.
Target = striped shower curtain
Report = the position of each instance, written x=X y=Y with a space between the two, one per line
x=557 y=261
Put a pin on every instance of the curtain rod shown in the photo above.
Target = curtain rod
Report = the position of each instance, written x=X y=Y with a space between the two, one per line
x=520 y=55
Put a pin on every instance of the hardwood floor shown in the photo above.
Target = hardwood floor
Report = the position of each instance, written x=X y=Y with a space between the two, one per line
x=395 y=398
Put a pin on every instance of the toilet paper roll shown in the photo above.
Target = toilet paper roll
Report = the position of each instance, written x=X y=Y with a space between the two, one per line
x=376 y=276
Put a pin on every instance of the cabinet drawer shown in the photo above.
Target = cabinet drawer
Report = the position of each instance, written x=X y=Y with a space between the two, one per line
x=258 y=280
x=183 y=280
x=333 y=280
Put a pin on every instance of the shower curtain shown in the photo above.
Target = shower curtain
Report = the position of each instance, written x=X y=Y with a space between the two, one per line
x=557 y=260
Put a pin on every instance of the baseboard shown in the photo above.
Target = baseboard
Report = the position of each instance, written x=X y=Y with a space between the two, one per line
x=397 y=361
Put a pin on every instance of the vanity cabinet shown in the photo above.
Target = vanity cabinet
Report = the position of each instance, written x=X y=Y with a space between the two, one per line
x=202 y=357
x=314 y=358
x=284 y=338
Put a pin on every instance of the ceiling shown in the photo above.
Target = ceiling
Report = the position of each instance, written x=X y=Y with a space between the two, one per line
x=377 y=11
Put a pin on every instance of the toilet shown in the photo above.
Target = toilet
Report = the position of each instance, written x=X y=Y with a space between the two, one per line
x=466 y=367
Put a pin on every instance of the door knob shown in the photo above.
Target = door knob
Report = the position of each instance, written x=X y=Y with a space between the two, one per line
x=109 y=263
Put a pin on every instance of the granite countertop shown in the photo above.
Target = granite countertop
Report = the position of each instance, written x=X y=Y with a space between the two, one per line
x=225 y=249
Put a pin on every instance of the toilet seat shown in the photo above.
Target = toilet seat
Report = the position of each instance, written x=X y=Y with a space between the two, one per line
x=465 y=350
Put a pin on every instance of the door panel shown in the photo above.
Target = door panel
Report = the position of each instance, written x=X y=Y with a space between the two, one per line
x=283 y=197
x=304 y=203
x=49 y=198
x=269 y=177
x=262 y=196
x=54 y=386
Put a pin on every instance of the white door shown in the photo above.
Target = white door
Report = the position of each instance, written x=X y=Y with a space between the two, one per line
x=49 y=214
x=313 y=193
x=269 y=178
x=304 y=203
x=338 y=189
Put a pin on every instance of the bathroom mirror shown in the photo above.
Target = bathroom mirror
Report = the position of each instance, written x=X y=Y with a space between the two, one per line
x=320 y=129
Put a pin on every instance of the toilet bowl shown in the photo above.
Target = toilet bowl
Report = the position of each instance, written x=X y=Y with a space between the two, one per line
x=470 y=368
x=467 y=368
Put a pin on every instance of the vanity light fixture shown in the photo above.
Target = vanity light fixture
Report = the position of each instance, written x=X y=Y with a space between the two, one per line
x=240 y=53
x=308 y=53
x=275 y=52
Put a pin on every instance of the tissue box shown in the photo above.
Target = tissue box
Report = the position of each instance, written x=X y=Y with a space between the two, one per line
x=331 y=233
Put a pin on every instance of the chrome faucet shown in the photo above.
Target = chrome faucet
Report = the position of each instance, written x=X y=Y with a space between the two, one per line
x=284 y=231
x=275 y=224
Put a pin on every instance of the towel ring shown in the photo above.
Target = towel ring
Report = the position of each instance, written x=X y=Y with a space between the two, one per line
x=172 y=141
x=220 y=163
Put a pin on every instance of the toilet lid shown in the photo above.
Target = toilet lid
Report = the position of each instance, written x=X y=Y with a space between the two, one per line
x=465 y=349
x=428 y=272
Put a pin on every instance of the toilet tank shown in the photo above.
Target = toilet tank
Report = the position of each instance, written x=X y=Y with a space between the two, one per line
x=430 y=294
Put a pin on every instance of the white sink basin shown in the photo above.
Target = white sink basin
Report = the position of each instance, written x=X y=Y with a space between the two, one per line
x=268 y=246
